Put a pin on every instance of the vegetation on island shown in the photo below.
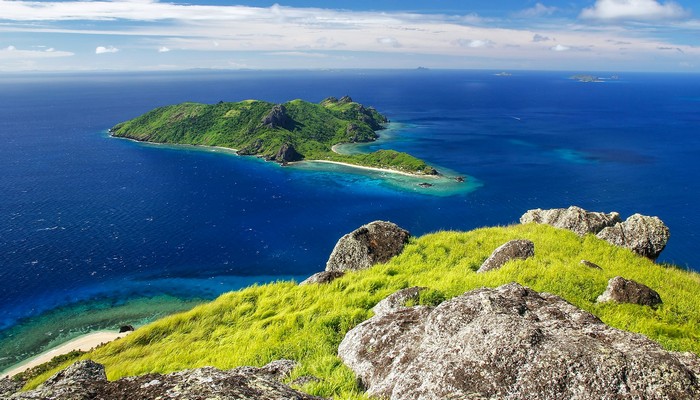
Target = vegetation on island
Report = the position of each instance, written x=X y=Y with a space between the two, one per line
x=294 y=131
x=306 y=323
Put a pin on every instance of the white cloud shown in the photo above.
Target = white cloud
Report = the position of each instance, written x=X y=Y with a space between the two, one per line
x=389 y=41
x=560 y=47
x=540 y=38
x=475 y=43
x=104 y=50
x=163 y=49
x=538 y=10
x=638 y=10
x=12 y=52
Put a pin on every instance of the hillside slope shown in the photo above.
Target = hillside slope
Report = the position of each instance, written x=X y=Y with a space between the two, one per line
x=306 y=323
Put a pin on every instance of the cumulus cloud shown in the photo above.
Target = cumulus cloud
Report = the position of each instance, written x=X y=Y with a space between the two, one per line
x=538 y=10
x=475 y=43
x=540 y=38
x=12 y=52
x=163 y=49
x=638 y=10
x=389 y=41
x=103 y=49
x=560 y=47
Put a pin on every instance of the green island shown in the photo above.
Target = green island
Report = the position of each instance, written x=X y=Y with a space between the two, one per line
x=306 y=323
x=294 y=131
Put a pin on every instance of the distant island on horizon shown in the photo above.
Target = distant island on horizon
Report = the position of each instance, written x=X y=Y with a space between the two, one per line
x=284 y=133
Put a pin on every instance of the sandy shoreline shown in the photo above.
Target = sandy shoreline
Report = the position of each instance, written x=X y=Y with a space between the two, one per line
x=84 y=343
x=390 y=171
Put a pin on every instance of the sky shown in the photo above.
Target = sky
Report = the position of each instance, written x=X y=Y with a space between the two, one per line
x=162 y=35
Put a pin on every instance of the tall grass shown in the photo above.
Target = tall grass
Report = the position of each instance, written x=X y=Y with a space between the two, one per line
x=306 y=323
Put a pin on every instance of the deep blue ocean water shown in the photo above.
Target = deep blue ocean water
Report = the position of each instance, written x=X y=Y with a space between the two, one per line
x=89 y=223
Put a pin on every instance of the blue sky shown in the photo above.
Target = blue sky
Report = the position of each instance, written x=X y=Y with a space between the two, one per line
x=592 y=35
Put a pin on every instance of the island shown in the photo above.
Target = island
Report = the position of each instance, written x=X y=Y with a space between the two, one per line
x=284 y=133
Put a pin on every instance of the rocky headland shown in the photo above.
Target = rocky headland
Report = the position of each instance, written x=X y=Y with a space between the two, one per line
x=421 y=337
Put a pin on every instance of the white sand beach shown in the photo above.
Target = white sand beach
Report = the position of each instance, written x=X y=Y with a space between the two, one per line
x=84 y=343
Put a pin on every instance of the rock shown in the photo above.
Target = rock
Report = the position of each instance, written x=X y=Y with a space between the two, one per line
x=323 y=277
x=646 y=236
x=277 y=118
x=515 y=249
x=250 y=149
x=345 y=100
x=9 y=386
x=425 y=184
x=591 y=264
x=459 y=179
x=303 y=380
x=126 y=328
x=280 y=369
x=81 y=381
x=621 y=290
x=397 y=300
x=200 y=383
x=287 y=153
x=574 y=218
x=376 y=242
x=511 y=343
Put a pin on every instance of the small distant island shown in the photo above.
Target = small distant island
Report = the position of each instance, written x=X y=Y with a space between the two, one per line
x=591 y=78
x=284 y=133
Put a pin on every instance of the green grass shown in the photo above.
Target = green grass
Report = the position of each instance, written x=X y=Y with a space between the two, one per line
x=306 y=323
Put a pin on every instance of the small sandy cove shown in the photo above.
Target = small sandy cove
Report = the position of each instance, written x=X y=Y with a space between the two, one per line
x=84 y=343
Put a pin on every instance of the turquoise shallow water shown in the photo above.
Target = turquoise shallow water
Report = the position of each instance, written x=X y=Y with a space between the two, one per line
x=104 y=232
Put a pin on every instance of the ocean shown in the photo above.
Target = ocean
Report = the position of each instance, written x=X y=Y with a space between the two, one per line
x=96 y=232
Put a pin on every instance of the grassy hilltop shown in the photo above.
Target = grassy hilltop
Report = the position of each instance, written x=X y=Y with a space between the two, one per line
x=293 y=131
x=306 y=323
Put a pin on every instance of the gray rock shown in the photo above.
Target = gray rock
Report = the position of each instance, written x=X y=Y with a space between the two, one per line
x=201 y=383
x=397 y=300
x=287 y=153
x=621 y=290
x=511 y=343
x=277 y=118
x=644 y=235
x=591 y=264
x=9 y=386
x=376 y=242
x=322 y=277
x=574 y=218
x=280 y=369
x=513 y=250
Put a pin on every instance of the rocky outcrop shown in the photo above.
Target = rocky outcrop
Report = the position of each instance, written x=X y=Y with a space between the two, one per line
x=575 y=219
x=277 y=118
x=513 y=250
x=511 y=343
x=287 y=153
x=323 y=277
x=86 y=380
x=8 y=386
x=621 y=290
x=370 y=244
x=397 y=300
x=126 y=328
x=646 y=236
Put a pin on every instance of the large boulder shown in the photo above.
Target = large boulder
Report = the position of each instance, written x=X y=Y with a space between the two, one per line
x=644 y=235
x=621 y=290
x=201 y=383
x=511 y=343
x=376 y=242
x=513 y=250
x=574 y=218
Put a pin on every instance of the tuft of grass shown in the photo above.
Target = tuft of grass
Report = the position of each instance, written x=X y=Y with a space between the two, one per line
x=262 y=323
